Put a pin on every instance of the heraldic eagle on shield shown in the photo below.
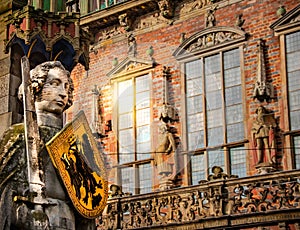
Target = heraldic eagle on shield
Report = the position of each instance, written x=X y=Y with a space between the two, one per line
x=75 y=155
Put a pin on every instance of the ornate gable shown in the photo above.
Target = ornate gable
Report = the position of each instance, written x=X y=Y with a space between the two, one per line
x=288 y=22
x=209 y=39
x=130 y=66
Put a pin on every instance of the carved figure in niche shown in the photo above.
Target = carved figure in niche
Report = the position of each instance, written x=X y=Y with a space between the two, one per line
x=163 y=158
x=166 y=8
x=210 y=18
x=131 y=45
x=52 y=90
x=264 y=137
x=125 y=21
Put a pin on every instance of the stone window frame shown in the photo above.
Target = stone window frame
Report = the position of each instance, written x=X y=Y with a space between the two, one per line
x=130 y=69
x=185 y=54
x=287 y=24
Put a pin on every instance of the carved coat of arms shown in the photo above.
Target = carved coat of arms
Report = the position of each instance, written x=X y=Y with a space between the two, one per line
x=79 y=163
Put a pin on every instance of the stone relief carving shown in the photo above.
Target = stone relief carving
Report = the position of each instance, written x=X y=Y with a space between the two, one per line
x=198 y=204
x=212 y=39
x=263 y=90
x=263 y=132
x=131 y=41
x=109 y=33
x=125 y=21
x=210 y=17
x=167 y=8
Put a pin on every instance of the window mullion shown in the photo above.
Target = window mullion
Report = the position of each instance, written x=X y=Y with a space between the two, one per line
x=204 y=103
x=223 y=97
x=134 y=120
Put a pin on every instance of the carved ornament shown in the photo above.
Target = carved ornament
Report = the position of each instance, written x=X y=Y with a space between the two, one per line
x=208 y=39
x=290 y=20
x=263 y=90
x=210 y=205
x=130 y=65
x=167 y=8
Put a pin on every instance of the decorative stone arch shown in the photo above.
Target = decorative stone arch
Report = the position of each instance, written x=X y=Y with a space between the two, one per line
x=130 y=66
x=209 y=39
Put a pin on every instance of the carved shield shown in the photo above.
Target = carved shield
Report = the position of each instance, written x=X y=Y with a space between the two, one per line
x=79 y=163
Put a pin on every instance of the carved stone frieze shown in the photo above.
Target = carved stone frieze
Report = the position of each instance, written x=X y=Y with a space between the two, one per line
x=194 y=5
x=109 y=33
x=125 y=21
x=219 y=199
x=167 y=8
x=209 y=38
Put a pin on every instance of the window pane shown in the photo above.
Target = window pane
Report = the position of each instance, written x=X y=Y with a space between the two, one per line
x=126 y=148
x=234 y=114
x=125 y=96
x=214 y=100
x=143 y=117
x=193 y=69
x=213 y=82
x=235 y=132
x=215 y=158
x=127 y=175
x=125 y=121
x=293 y=70
x=293 y=61
x=231 y=59
x=238 y=161
x=195 y=140
x=143 y=142
x=194 y=87
x=214 y=118
x=197 y=168
x=297 y=151
x=194 y=104
x=215 y=136
x=195 y=122
x=295 y=119
x=293 y=42
x=232 y=77
x=142 y=83
x=142 y=100
x=212 y=64
x=233 y=95
x=145 y=174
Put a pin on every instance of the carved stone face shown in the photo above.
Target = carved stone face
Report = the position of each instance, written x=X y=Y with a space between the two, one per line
x=54 y=95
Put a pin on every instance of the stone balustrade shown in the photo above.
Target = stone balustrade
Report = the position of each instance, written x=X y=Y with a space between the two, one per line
x=219 y=203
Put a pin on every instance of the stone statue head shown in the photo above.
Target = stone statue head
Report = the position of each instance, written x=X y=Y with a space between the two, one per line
x=52 y=87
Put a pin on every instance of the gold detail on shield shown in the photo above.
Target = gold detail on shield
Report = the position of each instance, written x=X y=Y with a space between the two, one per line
x=76 y=156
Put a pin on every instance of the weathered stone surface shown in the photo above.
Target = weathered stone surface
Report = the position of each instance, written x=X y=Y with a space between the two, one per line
x=5 y=122
x=4 y=85
x=4 y=104
x=4 y=66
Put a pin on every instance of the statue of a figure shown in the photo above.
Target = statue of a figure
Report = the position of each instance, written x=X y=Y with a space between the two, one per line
x=263 y=136
x=163 y=158
x=132 y=52
x=210 y=18
x=52 y=90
